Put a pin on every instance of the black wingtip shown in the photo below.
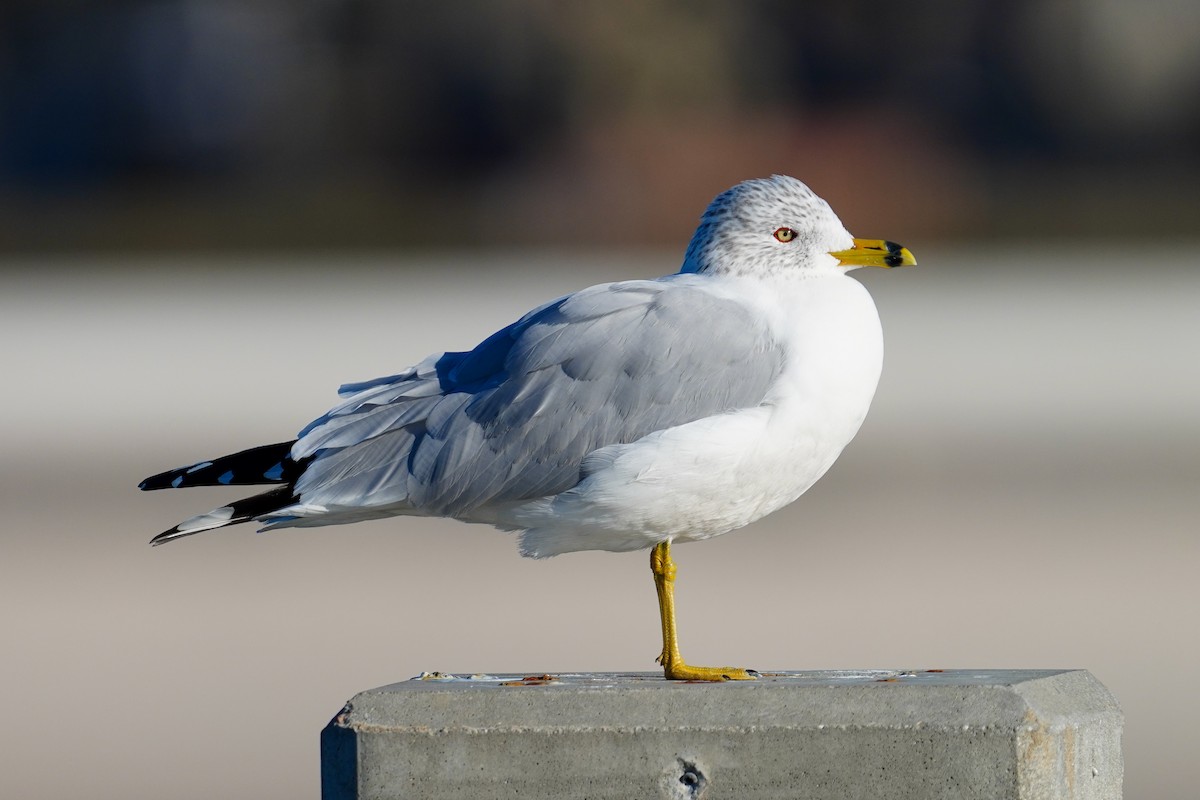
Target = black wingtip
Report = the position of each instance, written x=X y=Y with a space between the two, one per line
x=166 y=536
x=175 y=533
x=160 y=481
x=270 y=463
x=240 y=511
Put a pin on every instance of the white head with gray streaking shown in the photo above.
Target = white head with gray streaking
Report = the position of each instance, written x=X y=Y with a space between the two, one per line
x=774 y=226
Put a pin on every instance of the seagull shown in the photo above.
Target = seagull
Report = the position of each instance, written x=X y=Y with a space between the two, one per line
x=624 y=416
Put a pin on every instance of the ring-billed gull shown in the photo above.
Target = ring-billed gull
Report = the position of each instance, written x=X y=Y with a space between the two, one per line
x=624 y=416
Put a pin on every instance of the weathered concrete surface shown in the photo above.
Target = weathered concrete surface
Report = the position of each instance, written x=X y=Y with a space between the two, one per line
x=961 y=734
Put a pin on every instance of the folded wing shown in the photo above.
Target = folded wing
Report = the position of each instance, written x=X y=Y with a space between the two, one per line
x=514 y=418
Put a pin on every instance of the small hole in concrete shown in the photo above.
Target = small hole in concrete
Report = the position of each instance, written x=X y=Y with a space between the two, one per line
x=692 y=778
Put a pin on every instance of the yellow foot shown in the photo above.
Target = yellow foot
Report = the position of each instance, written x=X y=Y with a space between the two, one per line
x=684 y=672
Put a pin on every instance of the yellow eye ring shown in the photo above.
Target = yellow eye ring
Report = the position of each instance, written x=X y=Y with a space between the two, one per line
x=785 y=235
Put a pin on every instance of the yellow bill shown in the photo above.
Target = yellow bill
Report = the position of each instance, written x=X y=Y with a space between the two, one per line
x=874 y=253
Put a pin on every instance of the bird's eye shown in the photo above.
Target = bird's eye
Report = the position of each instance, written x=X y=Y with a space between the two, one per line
x=785 y=234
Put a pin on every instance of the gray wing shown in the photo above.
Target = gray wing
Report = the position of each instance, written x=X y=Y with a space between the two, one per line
x=514 y=418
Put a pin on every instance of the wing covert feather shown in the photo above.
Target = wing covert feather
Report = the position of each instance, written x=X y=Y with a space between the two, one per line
x=514 y=418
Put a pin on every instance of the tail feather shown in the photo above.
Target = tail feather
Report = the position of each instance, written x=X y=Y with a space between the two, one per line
x=239 y=511
x=269 y=463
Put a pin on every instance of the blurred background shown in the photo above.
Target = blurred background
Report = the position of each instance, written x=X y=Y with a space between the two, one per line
x=215 y=125
x=213 y=213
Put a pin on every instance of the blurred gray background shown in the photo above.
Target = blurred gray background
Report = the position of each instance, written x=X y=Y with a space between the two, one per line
x=213 y=213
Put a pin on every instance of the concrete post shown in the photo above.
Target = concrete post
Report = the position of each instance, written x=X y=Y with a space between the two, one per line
x=954 y=734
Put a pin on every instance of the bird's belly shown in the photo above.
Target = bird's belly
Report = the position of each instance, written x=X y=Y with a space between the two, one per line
x=695 y=481
x=752 y=464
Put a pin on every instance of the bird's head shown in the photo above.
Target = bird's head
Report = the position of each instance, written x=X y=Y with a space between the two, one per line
x=778 y=225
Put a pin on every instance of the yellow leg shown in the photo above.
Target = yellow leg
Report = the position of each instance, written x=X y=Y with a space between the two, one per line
x=673 y=667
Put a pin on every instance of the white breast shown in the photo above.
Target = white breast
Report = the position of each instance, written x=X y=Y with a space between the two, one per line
x=718 y=474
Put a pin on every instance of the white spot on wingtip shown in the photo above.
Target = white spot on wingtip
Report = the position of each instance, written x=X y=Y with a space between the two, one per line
x=204 y=521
